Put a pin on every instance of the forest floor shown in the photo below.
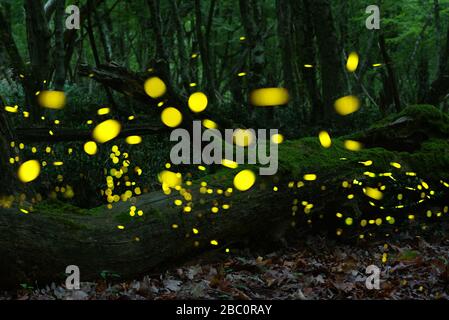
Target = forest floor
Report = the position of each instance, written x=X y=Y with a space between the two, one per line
x=313 y=267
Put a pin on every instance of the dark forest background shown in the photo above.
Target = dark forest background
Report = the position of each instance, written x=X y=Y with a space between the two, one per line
x=223 y=48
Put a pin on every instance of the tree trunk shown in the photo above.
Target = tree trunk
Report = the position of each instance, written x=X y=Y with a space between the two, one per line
x=256 y=49
x=329 y=55
x=284 y=25
x=39 y=48
x=66 y=134
x=203 y=43
x=7 y=177
x=59 y=54
x=440 y=87
x=306 y=57
x=19 y=68
x=40 y=245
x=391 y=74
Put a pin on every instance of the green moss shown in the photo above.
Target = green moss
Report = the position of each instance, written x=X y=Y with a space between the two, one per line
x=54 y=207
x=149 y=214
x=427 y=117
x=307 y=156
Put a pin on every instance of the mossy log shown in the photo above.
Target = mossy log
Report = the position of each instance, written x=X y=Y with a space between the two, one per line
x=38 y=246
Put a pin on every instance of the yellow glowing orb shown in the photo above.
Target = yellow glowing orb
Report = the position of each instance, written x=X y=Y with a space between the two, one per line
x=269 y=97
x=353 y=62
x=171 y=117
x=29 y=171
x=107 y=131
x=134 y=140
x=103 y=111
x=277 y=138
x=243 y=137
x=310 y=177
x=14 y=109
x=373 y=193
x=155 y=87
x=347 y=105
x=170 y=179
x=90 y=148
x=198 y=102
x=209 y=124
x=325 y=139
x=352 y=145
x=229 y=164
x=52 y=99
x=244 y=180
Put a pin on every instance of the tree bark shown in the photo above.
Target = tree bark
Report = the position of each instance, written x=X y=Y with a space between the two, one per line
x=304 y=44
x=439 y=89
x=39 y=246
x=59 y=54
x=203 y=43
x=391 y=74
x=19 y=68
x=39 y=49
x=7 y=135
x=67 y=134
x=330 y=57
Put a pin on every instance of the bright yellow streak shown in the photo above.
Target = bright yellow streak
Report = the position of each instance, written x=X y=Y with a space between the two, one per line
x=133 y=140
x=310 y=177
x=155 y=87
x=277 y=139
x=244 y=180
x=308 y=66
x=373 y=193
x=103 y=111
x=347 y=105
x=209 y=124
x=243 y=138
x=325 y=139
x=396 y=165
x=29 y=171
x=229 y=164
x=353 y=62
x=198 y=102
x=52 y=99
x=14 y=109
x=90 y=148
x=171 y=117
x=269 y=97
x=352 y=145
x=107 y=131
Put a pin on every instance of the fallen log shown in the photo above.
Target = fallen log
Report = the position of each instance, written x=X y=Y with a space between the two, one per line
x=67 y=134
x=119 y=79
x=40 y=245
x=131 y=84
